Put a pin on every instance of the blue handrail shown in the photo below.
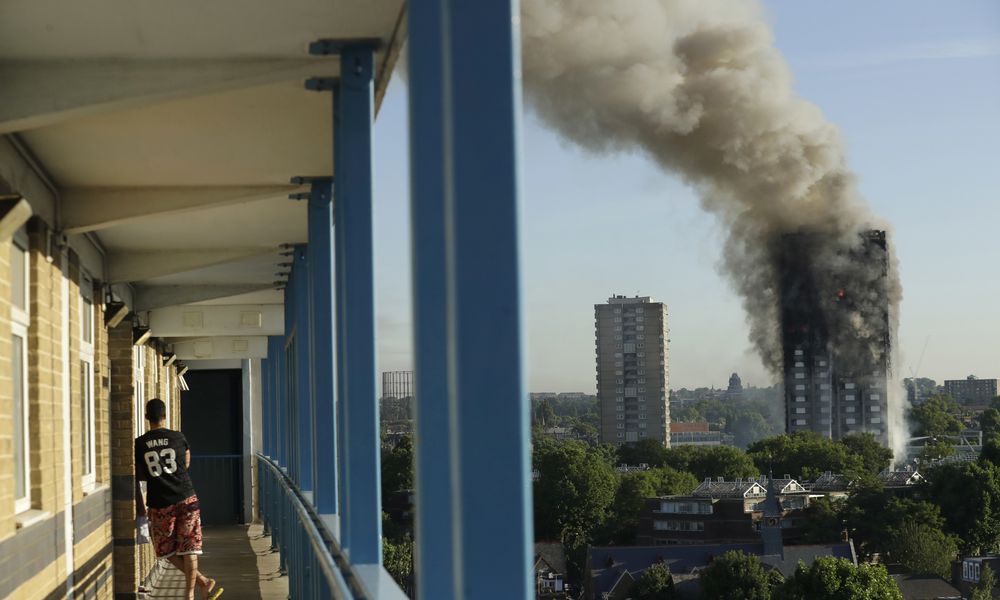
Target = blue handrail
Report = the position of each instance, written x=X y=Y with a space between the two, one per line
x=316 y=567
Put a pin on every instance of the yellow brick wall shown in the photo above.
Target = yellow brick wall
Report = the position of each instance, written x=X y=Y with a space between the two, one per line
x=7 y=522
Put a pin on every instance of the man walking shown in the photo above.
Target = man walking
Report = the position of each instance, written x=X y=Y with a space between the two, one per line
x=162 y=457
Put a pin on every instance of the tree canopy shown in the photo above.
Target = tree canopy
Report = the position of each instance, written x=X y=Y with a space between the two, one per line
x=936 y=416
x=574 y=492
x=737 y=576
x=838 y=579
x=806 y=455
x=922 y=549
x=656 y=583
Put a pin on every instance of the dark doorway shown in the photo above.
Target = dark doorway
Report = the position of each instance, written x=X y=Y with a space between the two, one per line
x=212 y=421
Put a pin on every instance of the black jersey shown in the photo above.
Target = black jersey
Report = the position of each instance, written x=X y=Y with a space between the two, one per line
x=159 y=461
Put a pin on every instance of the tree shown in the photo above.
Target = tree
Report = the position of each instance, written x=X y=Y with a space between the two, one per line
x=397 y=465
x=397 y=558
x=872 y=515
x=805 y=455
x=822 y=521
x=736 y=576
x=839 y=579
x=874 y=456
x=969 y=497
x=923 y=549
x=629 y=501
x=987 y=581
x=656 y=583
x=650 y=452
x=936 y=416
x=711 y=461
x=573 y=493
x=671 y=482
x=935 y=450
x=989 y=421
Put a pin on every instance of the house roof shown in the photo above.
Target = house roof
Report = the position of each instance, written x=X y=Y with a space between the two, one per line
x=907 y=476
x=831 y=482
x=792 y=555
x=729 y=489
x=553 y=554
x=608 y=563
x=925 y=587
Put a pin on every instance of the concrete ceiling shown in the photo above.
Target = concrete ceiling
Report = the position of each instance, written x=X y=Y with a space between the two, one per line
x=174 y=127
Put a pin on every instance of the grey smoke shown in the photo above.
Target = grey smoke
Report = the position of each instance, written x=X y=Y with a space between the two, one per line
x=699 y=87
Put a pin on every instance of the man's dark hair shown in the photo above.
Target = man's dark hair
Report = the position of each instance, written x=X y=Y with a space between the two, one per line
x=156 y=410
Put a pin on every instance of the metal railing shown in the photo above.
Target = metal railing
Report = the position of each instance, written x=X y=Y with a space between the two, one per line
x=316 y=567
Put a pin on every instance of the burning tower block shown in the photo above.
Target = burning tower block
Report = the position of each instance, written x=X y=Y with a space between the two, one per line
x=834 y=313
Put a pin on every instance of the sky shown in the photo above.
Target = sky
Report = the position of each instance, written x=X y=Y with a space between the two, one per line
x=914 y=86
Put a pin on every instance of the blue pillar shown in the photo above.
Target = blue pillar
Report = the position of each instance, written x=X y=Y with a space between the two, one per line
x=322 y=338
x=434 y=553
x=477 y=119
x=361 y=507
x=303 y=368
x=287 y=387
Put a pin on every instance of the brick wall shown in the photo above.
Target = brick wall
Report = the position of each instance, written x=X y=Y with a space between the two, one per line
x=7 y=522
x=122 y=459
x=33 y=561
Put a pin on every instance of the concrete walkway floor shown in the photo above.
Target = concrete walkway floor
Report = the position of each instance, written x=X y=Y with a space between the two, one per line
x=239 y=558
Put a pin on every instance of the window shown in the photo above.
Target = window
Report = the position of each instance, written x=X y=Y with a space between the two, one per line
x=800 y=375
x=87 y=381
x=800 y=398
x=849 y=397
x=848 y=386
x=800 y=411
x=798 y=353
x=800 y=364
x=849 y=409
x=139 y=368
x=876 y=420
x=875 y=396
x=876 y=409
x=800 y=387
x=20 y=321
x=849 y=420
x=800 y=421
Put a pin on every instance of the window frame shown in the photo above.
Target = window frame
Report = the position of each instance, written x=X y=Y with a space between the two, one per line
x=20 y=324
x=88 y=475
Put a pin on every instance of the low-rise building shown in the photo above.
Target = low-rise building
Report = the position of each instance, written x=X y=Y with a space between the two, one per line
x=550 y=571
x=965 y=573
x=971 y=391
x=696 y=433
x=720 y=511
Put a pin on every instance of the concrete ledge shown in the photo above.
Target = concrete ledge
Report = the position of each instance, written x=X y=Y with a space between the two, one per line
x=378 y=583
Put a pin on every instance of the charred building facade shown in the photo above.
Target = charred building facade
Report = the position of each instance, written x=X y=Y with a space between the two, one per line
x=834 y=312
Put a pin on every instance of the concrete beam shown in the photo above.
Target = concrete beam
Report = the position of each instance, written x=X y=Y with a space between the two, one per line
x=215 y=348
x=218 y=320
x=90 y=209
x=43 y=92
x=149 y=264
x=149 y=297
x=19 y=177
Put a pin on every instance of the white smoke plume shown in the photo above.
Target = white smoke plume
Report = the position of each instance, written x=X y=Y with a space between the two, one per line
x=699 y=87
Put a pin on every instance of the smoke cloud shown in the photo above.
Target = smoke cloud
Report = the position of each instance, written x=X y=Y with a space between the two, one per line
x=699 y=87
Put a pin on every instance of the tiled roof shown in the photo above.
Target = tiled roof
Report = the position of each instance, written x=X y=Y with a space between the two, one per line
x=925 y=587
x=728 y=489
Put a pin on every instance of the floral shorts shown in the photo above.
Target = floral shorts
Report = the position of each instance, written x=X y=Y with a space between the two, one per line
x=176 y=529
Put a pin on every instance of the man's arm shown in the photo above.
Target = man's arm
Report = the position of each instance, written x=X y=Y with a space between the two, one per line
x=187 y=459
x=140 y=475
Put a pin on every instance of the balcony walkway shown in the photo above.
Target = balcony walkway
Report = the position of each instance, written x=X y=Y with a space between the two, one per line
x=239 y=558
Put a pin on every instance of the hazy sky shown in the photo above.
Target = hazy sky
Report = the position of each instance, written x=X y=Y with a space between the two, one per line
x=914 y=86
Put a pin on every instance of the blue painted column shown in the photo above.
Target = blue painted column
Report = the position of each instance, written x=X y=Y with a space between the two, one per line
x=287 y=381
x=322 y=338
x=361 y=506
x=434 y=554
x=478 y=122
x=303 y=372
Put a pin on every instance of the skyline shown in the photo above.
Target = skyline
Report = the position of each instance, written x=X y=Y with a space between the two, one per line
x=918 y=118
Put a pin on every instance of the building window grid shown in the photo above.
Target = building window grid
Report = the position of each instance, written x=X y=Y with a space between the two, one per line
x=88 y=477
x=20 y=322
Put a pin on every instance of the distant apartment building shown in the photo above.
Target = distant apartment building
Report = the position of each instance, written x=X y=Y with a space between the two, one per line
x=971 y=390
x=696 y=433
x=632 y=370
x=396 y=403
x=834 y=385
